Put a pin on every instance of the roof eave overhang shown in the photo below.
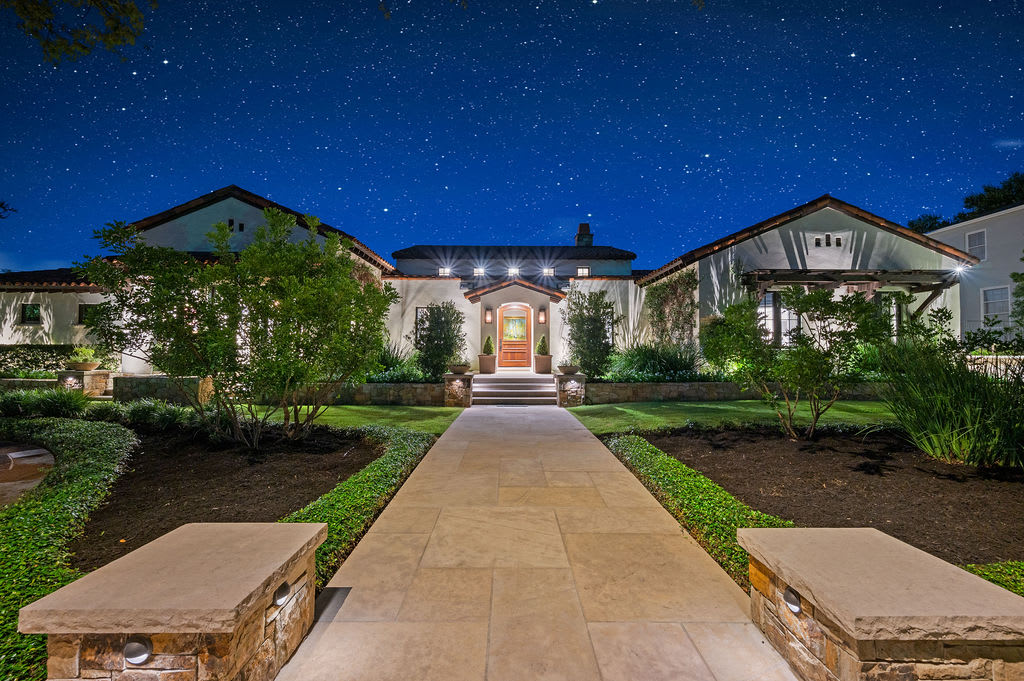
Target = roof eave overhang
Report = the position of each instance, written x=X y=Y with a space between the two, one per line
x=475 y=295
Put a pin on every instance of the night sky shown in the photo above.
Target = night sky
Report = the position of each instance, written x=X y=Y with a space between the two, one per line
x=510 y=122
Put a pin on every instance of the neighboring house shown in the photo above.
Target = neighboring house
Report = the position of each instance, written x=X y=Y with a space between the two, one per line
x=516 y=294
x=997 y=240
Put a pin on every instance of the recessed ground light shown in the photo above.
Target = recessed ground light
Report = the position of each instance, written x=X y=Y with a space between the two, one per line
x=281 y=595
x=792 y=599
x=138 y=649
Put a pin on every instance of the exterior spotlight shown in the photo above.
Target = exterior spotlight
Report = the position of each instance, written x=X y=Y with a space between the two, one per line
x=792 y=599
x=488 y=316
x=281 y=595
x=960 y=269
x=542 y=316
x=138 y=649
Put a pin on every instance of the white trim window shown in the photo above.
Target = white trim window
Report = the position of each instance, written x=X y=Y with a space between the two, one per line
x=513 y=271
x=583 y=271
x=995 y=302
x=444 y=271
x=548 y=272
x=975 y=244
x=479 y=271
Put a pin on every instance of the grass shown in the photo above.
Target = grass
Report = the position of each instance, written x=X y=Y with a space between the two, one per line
x=433 y=420
x=605 y=419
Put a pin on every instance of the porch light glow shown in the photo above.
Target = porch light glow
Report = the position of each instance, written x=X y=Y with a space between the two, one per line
x=513 y=271
x=549 y=271
x=960 y=269
x=542 y=316
x=488 y=316
x=444 y=271
x=479 y=271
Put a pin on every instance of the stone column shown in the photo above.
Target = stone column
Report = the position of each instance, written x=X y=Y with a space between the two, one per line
x=458 y=390
x=571 y=389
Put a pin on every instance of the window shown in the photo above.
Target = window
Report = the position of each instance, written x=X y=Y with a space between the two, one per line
x=31 y=313
x=828 y=239
x=582 y=271
x=548 y=271
x=839 y=242
x=817 y=242
x=83 y=313
x=995 y=301
x=777 y=322
x=444 y=271
x=976 y=244
x=421 y=313
x=479 y=271
x=241 y=226
x=513 y=271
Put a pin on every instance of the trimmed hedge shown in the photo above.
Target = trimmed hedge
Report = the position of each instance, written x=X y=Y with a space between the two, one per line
x=350 y=508
x=708 y=512
x=36 y=530
x=48 y=358
x=1009 y=575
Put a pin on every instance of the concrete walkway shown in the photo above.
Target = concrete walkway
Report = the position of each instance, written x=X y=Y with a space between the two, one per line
x=520 y=549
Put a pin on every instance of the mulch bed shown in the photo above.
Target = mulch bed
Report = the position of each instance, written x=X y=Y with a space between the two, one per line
x=176 y=479
x=956 y=512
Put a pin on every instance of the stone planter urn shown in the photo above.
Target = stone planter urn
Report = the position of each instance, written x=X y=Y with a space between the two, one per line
x=83 y=366
x=568 y=369
x=487 y=363
x=542 y=364
x=458 y=368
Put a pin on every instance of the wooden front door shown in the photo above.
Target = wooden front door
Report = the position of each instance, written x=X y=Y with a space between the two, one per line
x=514 y=336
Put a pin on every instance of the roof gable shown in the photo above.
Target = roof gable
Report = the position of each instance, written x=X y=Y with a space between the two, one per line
x=819 y=204
x=257 y=201
x=475 y=295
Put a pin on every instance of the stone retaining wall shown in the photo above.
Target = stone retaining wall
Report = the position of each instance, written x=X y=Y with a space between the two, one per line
x=612 y=393
x=160 y=387
x=405 y=394
x=27 y=383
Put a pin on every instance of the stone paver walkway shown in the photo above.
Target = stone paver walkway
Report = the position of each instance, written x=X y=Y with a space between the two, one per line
x=520 y=549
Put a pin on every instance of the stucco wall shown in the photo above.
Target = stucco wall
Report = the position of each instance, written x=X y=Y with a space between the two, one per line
x=420 y=293
x=1004 y=242
x=628 y=299
x=59 y=312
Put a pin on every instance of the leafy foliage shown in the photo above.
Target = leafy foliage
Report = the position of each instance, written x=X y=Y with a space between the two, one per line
x=27 y=373
x=47 y=358
x=50 y=402
x=654 y=362
x=709 y=513
x=672 y=308
x=70 y=29
x=1009 y=575
x=990 y=199
x=35 y=531
x=284 y=321
x=488 y=348
x=589 y=318
x=439 y=338
x=542 y=346
x=351 y=507
x=82 y=355
x=927 y=222
x=821 y=356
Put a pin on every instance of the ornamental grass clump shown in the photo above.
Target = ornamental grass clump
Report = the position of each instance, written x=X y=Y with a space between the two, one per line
x=52 y=402
x=655 y=362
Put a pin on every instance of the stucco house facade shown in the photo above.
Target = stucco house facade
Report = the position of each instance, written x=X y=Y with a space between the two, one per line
x=515 y=294
x=997 y=240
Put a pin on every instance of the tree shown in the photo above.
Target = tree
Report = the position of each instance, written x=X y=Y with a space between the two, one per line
x=990 y=199
x=70 y=29
x=439 y=338
x=927 y=222
x=818 y=362
x=281 y=324
x=589 y=319
x=6 y=210
x=672 y=308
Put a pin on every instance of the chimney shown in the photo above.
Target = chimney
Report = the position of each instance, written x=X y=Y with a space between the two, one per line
x=583 y=236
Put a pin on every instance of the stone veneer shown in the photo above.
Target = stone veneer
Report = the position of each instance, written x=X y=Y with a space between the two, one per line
x=249 y=643
x=27 y=383
x=458 y=390
x=92 y=383
x=160 y=387
x=571 y=389
x=909 y=624
x=405 y=394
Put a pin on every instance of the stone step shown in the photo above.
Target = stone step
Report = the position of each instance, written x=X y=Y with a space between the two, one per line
x=514 y=393
x=512 y=378
x=536 y=401
x=514 y=386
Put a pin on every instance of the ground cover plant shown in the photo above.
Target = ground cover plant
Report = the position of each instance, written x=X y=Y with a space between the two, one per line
x=282 y=322
x=1008 y=574
x=433 y=420
x=36 y=531
x=709 y=513
x=350 y=508
x=605 y=419
x=397 y=365
x=47 y=402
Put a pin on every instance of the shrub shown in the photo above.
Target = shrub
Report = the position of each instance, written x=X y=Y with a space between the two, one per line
x=82 y=355
x=708 y=512
x=439 y=338
x=48 y=358
x=954 y=413
x=36 y=530
x=108 y=410
x=655 y=362
x=542 y=346
x=488 y=348
x=350 y=508
x=590 y=321
x=672 y=307
x=403 y=373
x=61 y=403
x=27 y=373
x=18 y=403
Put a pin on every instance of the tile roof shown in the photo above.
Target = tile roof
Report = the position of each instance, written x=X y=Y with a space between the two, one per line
x=61 y=279
x=440 y=253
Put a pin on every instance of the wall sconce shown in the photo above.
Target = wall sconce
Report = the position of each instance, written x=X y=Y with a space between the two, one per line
x=488 y=316
x=542 y=316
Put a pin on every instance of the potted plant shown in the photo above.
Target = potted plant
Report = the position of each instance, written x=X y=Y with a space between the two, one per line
x=82 y=359
x=565 y=367
x=542 y=358
x=460 y=366
x=487 y=357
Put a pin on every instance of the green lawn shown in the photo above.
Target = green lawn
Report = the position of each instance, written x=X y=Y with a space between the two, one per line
x=603 y=419
x=433 y=420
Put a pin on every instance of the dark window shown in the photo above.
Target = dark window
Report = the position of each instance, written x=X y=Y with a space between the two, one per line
x=839 y=241
x=31 y=313
x=83 y=313
x=241 y=226
x=817 y=242
x=828 y=239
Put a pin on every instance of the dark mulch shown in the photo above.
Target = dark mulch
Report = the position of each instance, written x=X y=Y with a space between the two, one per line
x=955 y=512
x=176 y=479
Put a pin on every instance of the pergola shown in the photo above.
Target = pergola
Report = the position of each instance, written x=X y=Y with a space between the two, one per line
x=933 y=282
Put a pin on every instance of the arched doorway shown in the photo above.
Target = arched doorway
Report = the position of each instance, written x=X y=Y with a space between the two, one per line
x=515 y=335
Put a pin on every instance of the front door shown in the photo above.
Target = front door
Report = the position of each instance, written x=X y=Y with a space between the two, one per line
x=513 y=336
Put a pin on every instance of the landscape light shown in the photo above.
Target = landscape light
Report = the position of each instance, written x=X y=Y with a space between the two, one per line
x=138 y=649
x=281 y=595
x=792 y=599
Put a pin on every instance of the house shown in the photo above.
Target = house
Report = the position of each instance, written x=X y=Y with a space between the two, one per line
x=997 y=240
x=516 y=293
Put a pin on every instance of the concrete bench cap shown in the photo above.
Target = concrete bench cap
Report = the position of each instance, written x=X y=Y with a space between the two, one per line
x=201 y=577
x=878 y=588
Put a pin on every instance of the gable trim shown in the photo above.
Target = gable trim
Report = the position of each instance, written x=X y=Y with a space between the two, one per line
x=474 y=296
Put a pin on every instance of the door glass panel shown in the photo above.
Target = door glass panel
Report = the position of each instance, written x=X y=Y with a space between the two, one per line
x=514 y=329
